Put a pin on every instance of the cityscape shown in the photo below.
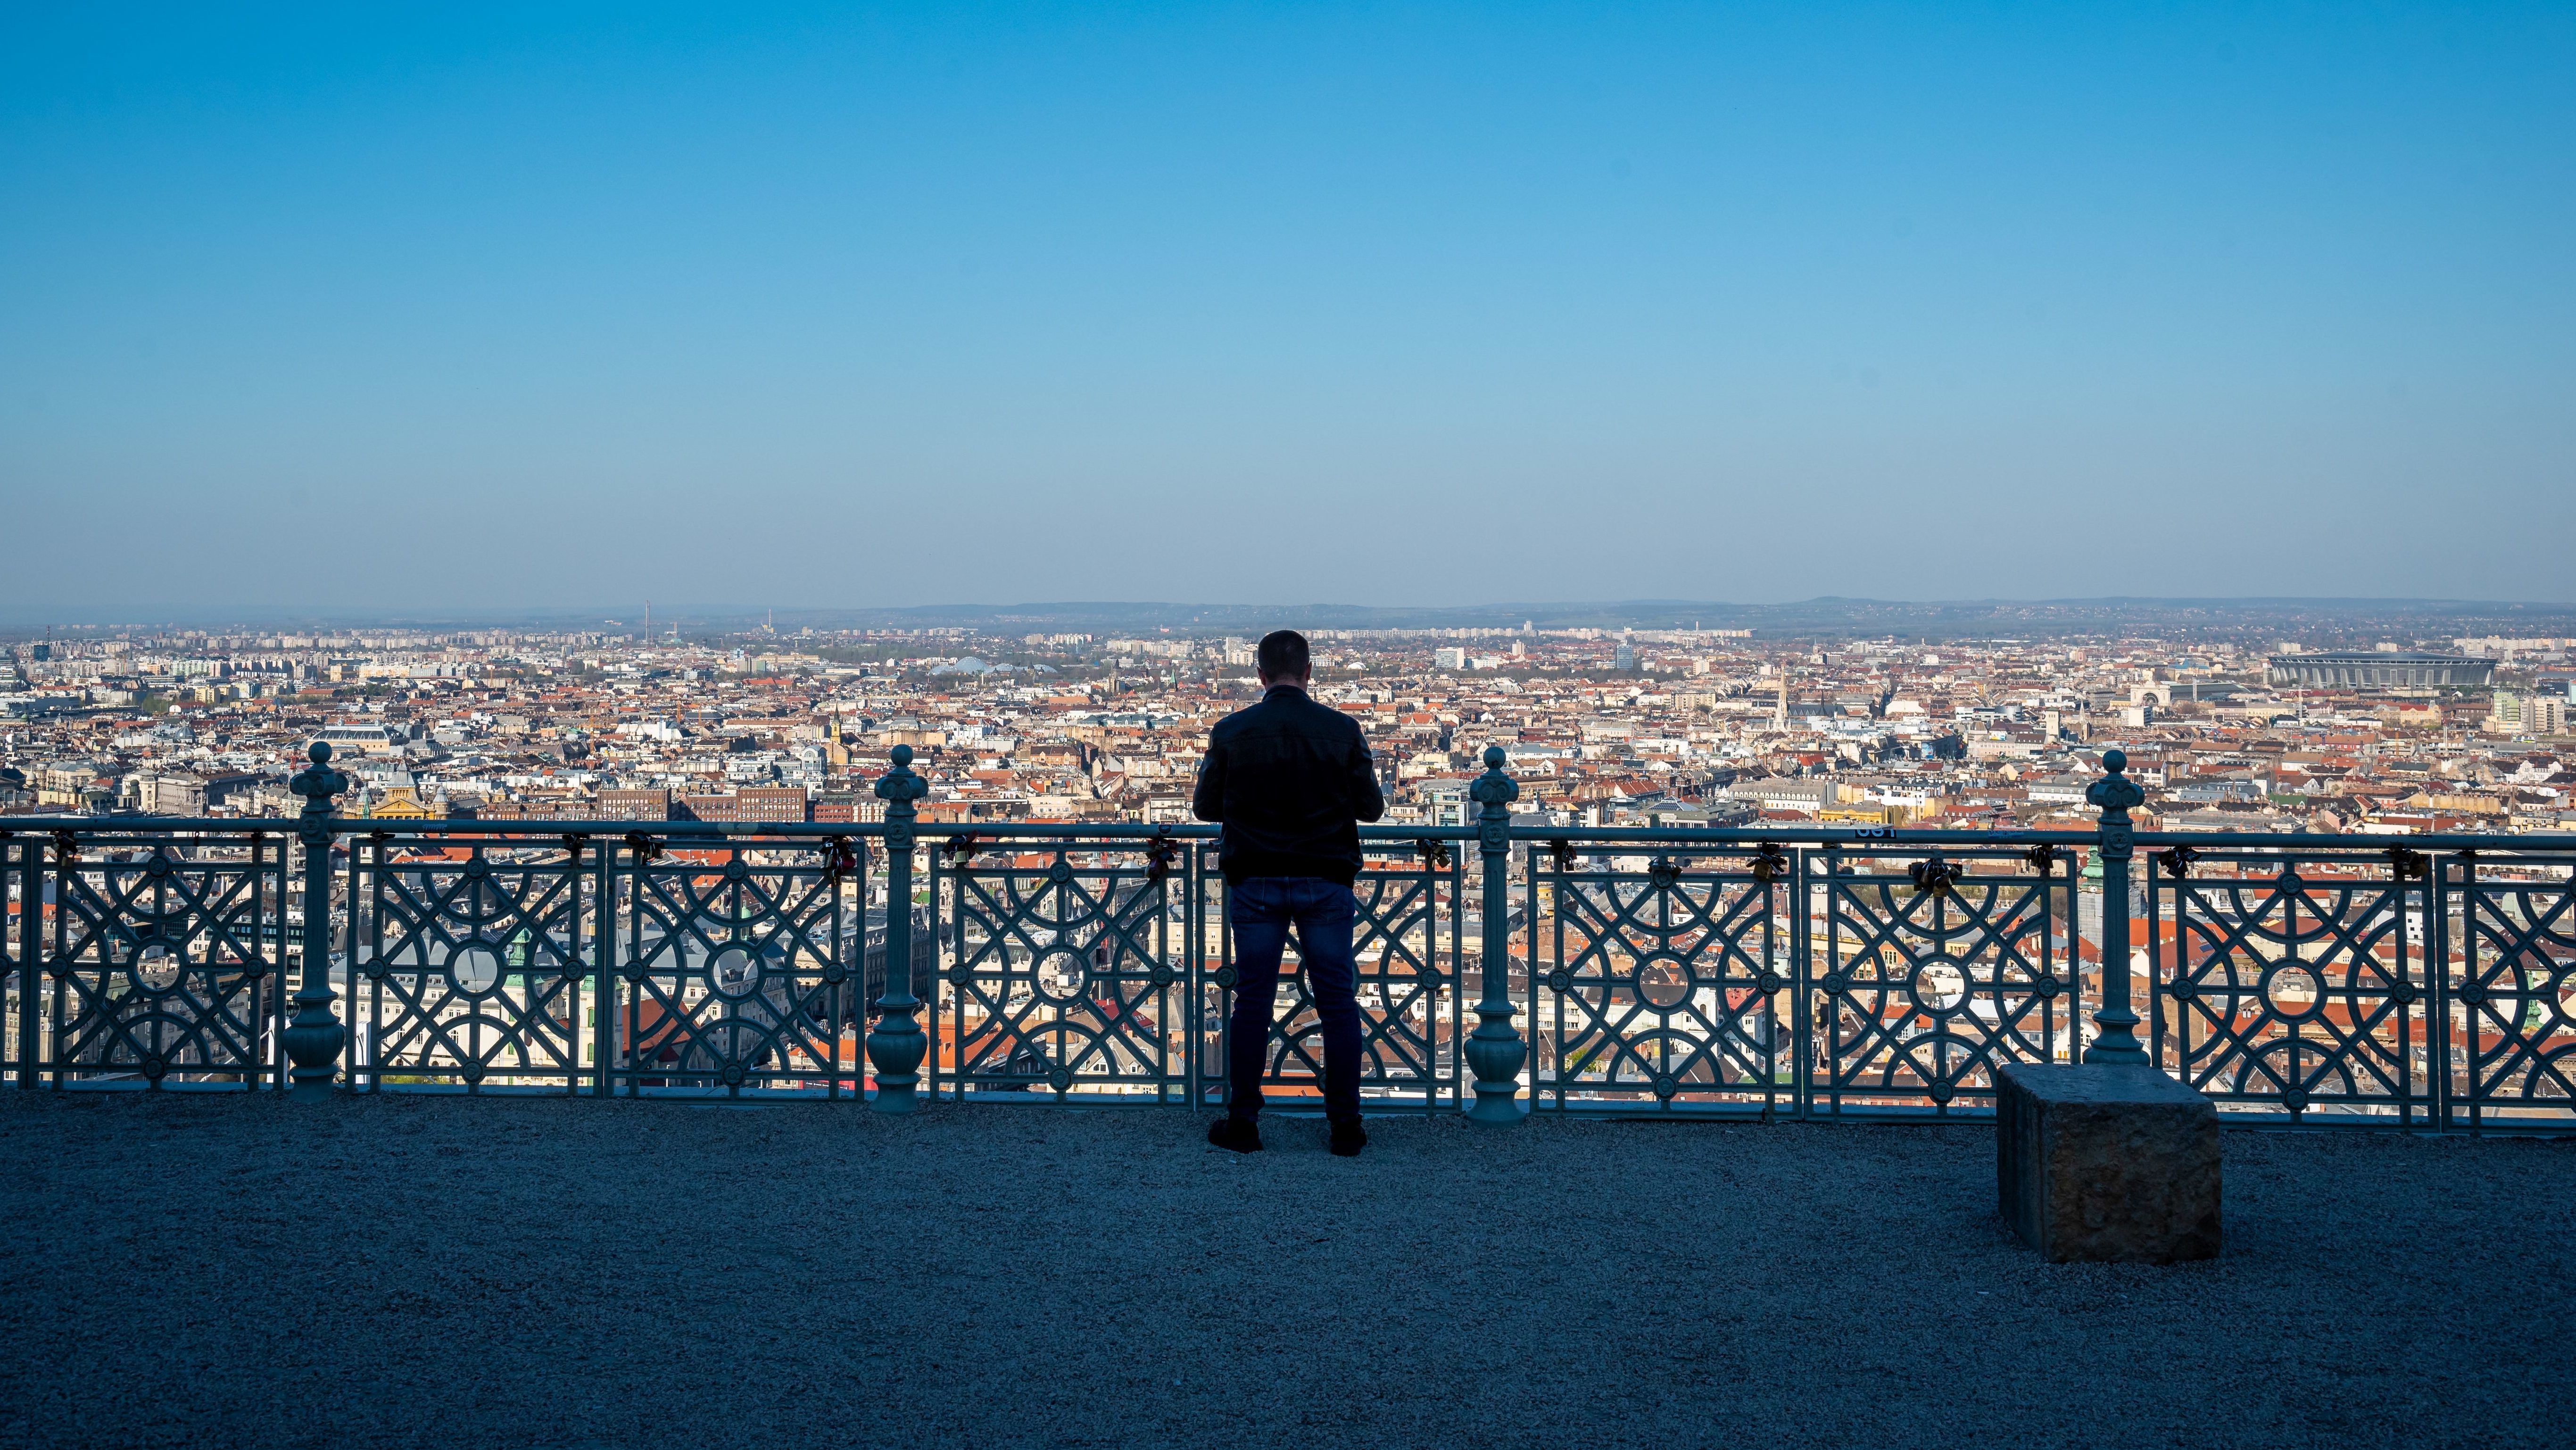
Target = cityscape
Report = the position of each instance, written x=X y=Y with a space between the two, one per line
x=2230 y=725
x=1087 y=726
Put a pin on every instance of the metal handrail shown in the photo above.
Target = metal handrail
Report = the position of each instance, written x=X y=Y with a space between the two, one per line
x=2548 y=843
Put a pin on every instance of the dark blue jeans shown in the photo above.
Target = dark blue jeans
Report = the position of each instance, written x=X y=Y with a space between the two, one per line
x=1262 y=909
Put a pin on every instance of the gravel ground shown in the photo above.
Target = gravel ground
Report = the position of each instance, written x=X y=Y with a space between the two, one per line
x=514 y=1273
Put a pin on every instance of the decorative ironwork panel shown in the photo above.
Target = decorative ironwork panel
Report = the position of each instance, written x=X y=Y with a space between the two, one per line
x=736 y=969
x=1063 y=967
x=164 y=960
x=2513 y=993
x=1405 y=935
x=473 y=962
x=2291 y=982
x=1927 y=974
x=1662 y=982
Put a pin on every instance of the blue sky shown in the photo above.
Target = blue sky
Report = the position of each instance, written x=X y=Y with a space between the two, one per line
x=1378 y=304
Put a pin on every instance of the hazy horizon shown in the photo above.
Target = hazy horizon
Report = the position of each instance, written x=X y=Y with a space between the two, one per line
x=1843 y=615
x=858 y=307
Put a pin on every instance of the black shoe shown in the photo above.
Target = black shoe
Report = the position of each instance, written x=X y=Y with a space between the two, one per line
x=1348 y=1139
x=1240 y=1134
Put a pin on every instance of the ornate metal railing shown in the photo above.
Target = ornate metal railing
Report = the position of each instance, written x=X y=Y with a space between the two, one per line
x=613 y=963
x=148 y=955
x=1804 y=979
x=2292 y=982
x=1065 y=965
x=2425 y=982
x=2512 y=994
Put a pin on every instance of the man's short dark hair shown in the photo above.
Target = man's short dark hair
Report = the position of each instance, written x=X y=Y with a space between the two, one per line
x=1282 y=655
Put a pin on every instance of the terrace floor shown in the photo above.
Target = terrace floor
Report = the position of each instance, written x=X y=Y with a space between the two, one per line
x=436 y=1271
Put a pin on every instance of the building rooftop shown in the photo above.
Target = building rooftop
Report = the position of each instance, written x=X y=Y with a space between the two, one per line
x=418 y=1269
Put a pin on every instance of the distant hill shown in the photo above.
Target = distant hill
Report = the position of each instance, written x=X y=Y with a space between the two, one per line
x=2318 y=621
x=2321 y=622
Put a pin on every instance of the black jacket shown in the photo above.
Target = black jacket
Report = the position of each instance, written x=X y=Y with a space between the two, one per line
x=1290 y=780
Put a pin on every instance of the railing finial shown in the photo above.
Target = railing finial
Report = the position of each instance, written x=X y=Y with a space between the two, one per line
x=2115 y=792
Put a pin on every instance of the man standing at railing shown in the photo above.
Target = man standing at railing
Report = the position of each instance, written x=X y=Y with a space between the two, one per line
x=1289 y=781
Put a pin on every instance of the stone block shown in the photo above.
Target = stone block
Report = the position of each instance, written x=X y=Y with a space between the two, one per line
x=2117 y=1163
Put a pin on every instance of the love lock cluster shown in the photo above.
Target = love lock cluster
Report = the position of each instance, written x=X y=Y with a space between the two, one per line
x=1769 y=864
x=1161 y=851
x=844 y=859
x=1934 y=877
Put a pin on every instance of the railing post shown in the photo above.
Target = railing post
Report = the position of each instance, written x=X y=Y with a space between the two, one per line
x=314 y=1038
x=896 y=1045
x=1494 y=1050
x=2116 y=1041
